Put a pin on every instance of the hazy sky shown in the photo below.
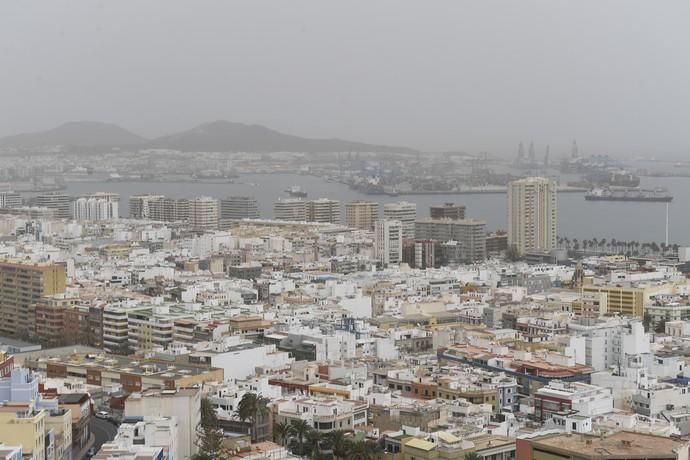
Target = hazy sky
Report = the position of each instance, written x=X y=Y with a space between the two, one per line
x=463 y=75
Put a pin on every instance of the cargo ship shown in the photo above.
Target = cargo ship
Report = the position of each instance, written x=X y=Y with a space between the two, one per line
x=296 y=191
x=657 y=195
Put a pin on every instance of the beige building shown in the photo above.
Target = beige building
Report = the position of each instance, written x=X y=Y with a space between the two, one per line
x=204 y=213
x=23 y=425
x=361 y=214
x=323 y=210
x=23 y=284
x=532 y=215
x=625 y=300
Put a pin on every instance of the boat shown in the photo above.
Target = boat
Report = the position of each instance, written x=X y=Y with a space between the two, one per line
x=657 y=195
x=296 y=191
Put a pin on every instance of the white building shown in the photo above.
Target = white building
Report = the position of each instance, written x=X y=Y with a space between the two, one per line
x=184 y=405
x=389 y=236
x=404 y=212
x=100 y=206
x=323 y=414
x=139 y=437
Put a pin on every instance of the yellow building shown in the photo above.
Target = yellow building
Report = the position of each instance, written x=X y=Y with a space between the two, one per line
x=626 y=300
x=22 y=284
x=21 y=424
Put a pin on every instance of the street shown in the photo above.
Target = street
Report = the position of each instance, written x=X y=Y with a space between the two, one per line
x=103 y=430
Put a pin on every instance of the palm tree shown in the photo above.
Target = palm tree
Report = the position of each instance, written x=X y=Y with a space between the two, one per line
x=338 y=442
x=364 y=450
x=300 y=428
x=472 y=456
x=282 y=432
x=250 y=407
x=314 y=440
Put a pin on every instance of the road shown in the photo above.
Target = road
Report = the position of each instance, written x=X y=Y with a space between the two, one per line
x=103 y=430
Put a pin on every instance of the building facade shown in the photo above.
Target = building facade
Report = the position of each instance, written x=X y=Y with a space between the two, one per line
x=532 y=215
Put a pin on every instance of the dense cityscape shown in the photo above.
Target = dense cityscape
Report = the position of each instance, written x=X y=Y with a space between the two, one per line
x=194 y=328
x=344 y=230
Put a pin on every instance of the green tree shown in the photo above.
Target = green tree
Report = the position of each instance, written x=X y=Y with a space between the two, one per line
x=124 y=349
x=250 y=407
x=282 y=432
x=660 y=327
x=647 y=321
x=300 y=428
x=339 y=443
x=472 y=456
x=209 y=433
x=314 y=440
x=364 y=450
x=512 y=253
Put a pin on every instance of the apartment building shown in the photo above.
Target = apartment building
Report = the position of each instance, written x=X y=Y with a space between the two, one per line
x=22 y=285
x=532 y=215
x=361 y=214
x=292 y=209
x=204 y=213
x=404 y=212
x=469 y=235
x=234 y=208
x=183 y=404
x=451 y=211
x=389 y=240
x=323 y=414
x=323 y=210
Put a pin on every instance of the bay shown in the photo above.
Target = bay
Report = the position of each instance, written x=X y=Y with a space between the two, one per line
x=577 y=218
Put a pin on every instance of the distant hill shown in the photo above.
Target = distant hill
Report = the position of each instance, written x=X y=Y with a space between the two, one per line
x=76 y=134
x=225 y=136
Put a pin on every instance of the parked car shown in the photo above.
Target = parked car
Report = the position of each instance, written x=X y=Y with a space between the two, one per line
x=102 y=414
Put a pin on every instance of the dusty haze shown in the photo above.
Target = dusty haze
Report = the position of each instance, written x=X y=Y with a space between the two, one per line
x=433 y=75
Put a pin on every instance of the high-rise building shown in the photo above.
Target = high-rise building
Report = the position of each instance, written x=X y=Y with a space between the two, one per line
x=58 y=202
x=323 y=210
x=99 y=206
x=235 y=208
x=532 y=215
x=203 y=213
x=447 y=211
x=170 y=209
x=361 y=214
x=470 y=235
x=421 y=254
x=10 y=200
x=139 y=205
x=294 y=209
x=22 y=285
x=404 y=212
x=388 y=241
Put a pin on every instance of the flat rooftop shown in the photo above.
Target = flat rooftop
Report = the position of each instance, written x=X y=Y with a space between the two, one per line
x=623 y=444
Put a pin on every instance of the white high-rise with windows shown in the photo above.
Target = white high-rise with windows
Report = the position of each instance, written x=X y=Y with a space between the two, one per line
x=532 y=215
x=99 y=206
x=388 y=241
x=404 y=212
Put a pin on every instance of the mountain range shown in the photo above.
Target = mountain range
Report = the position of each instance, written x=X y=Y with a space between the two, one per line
x=217 y=136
